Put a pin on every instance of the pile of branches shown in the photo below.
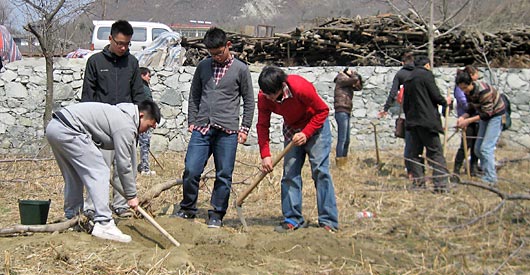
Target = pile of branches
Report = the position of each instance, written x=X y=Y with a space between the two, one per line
x=373 y=41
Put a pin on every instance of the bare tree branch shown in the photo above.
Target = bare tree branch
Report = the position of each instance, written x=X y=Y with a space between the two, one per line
x=405 y=17
x=458 y=11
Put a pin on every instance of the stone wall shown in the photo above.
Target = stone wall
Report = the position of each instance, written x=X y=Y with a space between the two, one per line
x=23 y=84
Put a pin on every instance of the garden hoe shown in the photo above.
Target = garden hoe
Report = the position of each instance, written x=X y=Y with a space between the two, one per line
x=255 y=183
x=149 y=218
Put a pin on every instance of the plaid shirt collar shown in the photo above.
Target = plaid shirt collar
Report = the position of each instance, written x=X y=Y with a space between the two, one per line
x=220 y=69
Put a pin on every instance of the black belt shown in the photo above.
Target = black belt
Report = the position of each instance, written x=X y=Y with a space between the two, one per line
x=59 y=116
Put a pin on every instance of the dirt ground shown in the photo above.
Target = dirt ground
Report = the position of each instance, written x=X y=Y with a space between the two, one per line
x=413 y=231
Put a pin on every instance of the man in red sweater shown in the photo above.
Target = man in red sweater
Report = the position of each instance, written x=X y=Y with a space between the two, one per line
x=306 y=123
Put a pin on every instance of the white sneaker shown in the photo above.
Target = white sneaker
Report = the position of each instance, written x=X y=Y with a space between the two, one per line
x=148 y=173
x=110 y=232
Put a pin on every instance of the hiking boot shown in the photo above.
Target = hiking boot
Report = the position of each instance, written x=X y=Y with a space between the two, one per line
x=214 y=223
x=123 y=213
x=286 y=226
x=110 y=231
x=183 y=214
x=90 y=214
x=329 y=228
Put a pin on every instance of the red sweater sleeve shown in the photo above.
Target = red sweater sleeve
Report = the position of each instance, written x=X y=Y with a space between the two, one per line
x=263 y=125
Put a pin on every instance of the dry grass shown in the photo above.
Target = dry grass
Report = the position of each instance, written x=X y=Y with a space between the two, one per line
x=413 y=231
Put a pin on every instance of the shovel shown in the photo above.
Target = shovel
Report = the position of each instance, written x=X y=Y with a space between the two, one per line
x=255 y=183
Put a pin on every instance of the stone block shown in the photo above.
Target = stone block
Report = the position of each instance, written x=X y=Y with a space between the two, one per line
x=16 y=90
x=171 y=97
x=8 y=76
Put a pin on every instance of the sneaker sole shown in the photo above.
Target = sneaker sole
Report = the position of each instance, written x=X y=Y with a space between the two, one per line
x=213 y=226
x=123 y=239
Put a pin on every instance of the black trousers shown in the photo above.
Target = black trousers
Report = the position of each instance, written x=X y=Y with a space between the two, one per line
x=426 y=138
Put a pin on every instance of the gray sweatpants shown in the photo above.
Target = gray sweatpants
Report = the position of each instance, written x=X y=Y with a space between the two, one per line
x=118 y=201
x=82 y=164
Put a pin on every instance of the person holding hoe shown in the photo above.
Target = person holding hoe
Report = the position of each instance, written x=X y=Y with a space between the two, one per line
x=306 y=123
x=77 y=134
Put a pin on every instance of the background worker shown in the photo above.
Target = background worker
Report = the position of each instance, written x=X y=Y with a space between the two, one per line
x=112 y=76
x=144 y=139
x=471 y=129
x=420 y=104
x=407 y=61
x=489 y=106
x=346 y=82
x=77 y=134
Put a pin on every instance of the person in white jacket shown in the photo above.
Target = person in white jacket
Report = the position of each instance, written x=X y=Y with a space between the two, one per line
x=76 y=135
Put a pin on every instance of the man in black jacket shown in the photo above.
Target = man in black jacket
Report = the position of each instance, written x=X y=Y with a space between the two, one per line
x=407 y=61
x=420 y=104
x=113 y=76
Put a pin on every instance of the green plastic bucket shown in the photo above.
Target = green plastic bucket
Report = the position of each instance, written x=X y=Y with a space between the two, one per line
x=33 y=211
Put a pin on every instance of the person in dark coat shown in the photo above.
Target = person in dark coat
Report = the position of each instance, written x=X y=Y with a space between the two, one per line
x=407 y=61
x=112 y=76
x=420 y=104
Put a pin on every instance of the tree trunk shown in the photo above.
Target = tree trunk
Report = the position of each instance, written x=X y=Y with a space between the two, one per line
x=430 y=35
x=49 y=89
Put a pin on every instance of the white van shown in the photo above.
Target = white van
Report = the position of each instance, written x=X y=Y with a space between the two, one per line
x=144 y=34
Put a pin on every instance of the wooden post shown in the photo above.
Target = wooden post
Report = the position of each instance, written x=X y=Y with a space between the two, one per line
x=466 y=154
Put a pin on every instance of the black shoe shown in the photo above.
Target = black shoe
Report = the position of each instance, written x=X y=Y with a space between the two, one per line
x=123 y=213
x=183 y=214
x=90 y=214
x=214 y=223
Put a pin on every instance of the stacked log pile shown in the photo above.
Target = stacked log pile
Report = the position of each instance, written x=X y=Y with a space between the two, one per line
x=371 y=41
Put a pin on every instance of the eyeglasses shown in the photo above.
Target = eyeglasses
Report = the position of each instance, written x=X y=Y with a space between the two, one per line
x=121 y=44
x=217 y=54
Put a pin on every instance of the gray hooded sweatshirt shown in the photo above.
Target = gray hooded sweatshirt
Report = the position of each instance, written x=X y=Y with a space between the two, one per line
x=111 y=127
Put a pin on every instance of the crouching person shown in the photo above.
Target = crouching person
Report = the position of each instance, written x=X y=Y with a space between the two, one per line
x=77 y=133
x=305 y=122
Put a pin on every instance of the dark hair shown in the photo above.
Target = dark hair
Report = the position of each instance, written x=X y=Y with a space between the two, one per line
x=407 y=58
x=271 y=79
x=346 y=70
x=144 y=71
x=470 y=70
x=123 y=27
x=150 y=109
x=359 y=85
x=463 y=77
x=421 y=60
x=215 y=38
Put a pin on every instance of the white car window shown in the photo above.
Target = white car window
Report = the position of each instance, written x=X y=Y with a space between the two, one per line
x=103 y=33
x=140 y=34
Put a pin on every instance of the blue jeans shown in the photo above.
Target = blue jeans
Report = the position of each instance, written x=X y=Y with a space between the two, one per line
x=488 y=134
x=144 y=139
x=343 y=133
x=223 y=147
x=317 y=148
